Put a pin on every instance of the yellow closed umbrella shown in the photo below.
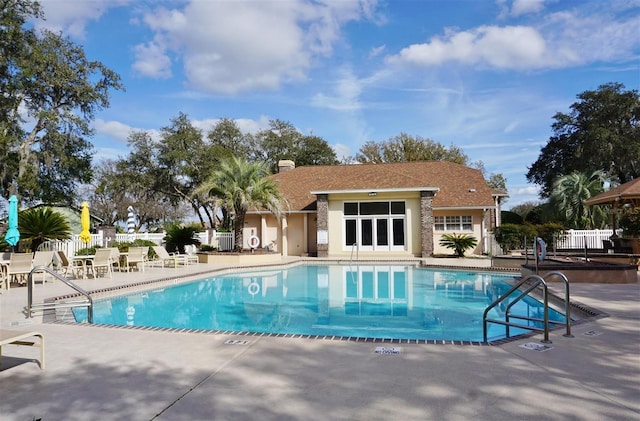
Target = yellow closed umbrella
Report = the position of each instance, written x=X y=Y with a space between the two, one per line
x=85 y=220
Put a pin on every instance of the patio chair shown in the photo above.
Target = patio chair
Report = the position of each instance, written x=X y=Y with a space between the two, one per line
x=137 y=256
x=115 y=259
x=101 y=260
x=4 y=279
x=164 y=257
x=20 y=264
x=42 y=258
x=14 y=337
x=63 y=265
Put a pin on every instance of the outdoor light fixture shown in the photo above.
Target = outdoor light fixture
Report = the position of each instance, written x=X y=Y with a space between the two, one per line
x=373 y=193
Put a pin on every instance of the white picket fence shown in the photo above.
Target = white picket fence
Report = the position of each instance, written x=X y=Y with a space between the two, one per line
x=224 y=241
x=576 y=239
x=221 y=240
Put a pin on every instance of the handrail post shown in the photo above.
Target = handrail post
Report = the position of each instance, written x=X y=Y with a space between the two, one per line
x=567 y=304
x=546 y=313
x=60 y=278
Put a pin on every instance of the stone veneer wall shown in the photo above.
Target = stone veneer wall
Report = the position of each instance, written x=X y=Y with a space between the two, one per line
x=322 y=205
x=426 y=223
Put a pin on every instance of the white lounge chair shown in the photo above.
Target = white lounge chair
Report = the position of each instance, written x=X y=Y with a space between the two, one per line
x=166 y=257
x=42 y=258
x=101 y=260
x=115 y=259
x=65 y=266
x=137 y=256
x=14 y=337
x=20 y=264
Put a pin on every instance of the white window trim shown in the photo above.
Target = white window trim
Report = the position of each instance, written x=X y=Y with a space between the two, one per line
x=458 y=225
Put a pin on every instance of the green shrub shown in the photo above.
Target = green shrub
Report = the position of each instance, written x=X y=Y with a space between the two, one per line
x=38 y=225
x=630 y=223
x=508 y=217
x=180 y=236
x=458 y=242
x=123 y=246
x=86 y=251
x=549 y=232
x=511 y=236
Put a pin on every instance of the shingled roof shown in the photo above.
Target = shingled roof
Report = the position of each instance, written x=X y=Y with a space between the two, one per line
x=627 y=192
x=457 y=186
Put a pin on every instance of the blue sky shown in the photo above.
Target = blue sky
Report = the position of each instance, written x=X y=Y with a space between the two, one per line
x=486 y=76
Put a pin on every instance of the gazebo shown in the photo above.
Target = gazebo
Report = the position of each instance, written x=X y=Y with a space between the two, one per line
x=624 y=196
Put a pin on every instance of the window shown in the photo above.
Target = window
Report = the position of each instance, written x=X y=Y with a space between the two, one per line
x=453 y=223
x=375 y=226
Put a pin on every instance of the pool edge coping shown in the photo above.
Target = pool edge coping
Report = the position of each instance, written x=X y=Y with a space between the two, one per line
x=104 y=293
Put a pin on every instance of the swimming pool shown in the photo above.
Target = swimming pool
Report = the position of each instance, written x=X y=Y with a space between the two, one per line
x=368 y=301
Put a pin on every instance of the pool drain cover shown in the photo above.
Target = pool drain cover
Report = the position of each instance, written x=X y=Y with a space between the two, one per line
x=235 y=342
x=388 y=350
x=536 y=346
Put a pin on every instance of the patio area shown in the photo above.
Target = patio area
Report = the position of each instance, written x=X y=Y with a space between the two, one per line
x=111 y=373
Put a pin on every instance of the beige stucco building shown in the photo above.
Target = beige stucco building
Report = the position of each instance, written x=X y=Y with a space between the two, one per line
x=395 y=210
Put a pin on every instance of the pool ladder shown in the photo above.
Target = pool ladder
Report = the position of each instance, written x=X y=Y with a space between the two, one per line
x=31 y=307
x=532 y=282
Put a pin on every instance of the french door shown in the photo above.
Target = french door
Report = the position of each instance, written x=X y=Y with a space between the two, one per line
x=376 y=233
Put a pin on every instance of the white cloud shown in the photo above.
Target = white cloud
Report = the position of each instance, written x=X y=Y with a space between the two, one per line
x=229 y=47
x=252 y=126
x=376 y=51
x=71 y=16
x=562 y=39
x=244 y=124
x=345 y=95
x=152 y=61
x=523 y=7
x=118 y=131
x=530 y=190
x=342 y=151
x=112 y=129
x=515 y=47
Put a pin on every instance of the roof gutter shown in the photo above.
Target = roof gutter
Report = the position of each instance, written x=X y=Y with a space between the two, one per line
x=374 y=190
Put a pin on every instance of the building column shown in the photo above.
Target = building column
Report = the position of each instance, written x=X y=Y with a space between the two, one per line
x=426 y=223
x=305 y=234
x=323 y=225
x=264 y=241
x=285 y=233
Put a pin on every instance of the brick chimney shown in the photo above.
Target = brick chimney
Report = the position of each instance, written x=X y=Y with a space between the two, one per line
x=285 y=165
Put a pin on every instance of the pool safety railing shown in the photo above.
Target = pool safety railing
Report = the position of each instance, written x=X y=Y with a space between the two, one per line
x=355 y=247
x=31 y=307
x=530 y=283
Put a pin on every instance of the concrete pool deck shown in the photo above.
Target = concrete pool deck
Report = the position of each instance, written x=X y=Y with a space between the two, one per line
x=110 y=373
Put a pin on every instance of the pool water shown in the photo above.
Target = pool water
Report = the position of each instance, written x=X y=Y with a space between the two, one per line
x=369 y=301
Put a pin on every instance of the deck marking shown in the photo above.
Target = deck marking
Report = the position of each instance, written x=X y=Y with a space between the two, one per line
x=536 y=346
x=388 y=350
x=235 y=342
x=592 y=333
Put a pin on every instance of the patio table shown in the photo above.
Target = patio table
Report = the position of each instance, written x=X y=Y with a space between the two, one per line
x=83 y=259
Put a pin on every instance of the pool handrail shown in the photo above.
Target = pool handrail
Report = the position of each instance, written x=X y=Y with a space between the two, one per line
x=538 y=280
x=567 y=304
x=44 y=306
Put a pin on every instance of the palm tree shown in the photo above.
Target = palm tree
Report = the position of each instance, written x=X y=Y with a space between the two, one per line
x=38 y=225
x=568 y=196
x=459 y=243
x=241 y=185
x=179 y=236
